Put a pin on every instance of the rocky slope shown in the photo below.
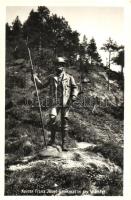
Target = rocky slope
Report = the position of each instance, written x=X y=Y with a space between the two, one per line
x=94 y=163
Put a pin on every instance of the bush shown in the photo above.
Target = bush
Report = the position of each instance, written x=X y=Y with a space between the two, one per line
x=111 y=151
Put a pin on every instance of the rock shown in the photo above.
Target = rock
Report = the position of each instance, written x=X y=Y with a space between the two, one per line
x=51 y=151
x=27 y=148
x=85 y=80
x=19 y=61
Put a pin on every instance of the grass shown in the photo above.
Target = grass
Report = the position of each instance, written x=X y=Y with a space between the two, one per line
x=24 y=137
x=111 y=151
x=49 y=176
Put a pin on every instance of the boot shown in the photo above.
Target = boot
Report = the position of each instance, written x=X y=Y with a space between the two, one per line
x=52 y=140
x=64 y=141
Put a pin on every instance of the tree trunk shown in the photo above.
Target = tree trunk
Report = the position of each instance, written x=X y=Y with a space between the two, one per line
x=109 y=71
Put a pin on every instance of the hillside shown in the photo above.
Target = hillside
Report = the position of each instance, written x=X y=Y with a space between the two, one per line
x=94 y=163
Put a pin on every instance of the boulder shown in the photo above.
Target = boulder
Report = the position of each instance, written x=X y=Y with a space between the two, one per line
x=51 y=151
x=19 y=61
x=27 y=148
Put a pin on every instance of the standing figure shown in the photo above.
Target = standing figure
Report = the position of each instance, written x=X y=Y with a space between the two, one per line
x=63 y=90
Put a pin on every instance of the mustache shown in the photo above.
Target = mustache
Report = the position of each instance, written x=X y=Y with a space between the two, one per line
x=59 y=70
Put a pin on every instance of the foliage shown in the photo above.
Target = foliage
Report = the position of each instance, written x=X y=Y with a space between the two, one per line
x=51 y=32
x=119 y=59
x=110 y=46
x=93 y=53
x=8 y=32
x=83 y=56
x=111 y=151
x=17 y=28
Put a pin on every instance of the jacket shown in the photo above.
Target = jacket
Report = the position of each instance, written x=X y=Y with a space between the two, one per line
x=69 y=87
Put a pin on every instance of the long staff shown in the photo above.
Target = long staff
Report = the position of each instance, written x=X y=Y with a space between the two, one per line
x=40 y=110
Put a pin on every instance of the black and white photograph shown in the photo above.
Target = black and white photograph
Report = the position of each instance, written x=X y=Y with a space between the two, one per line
x=64 y=100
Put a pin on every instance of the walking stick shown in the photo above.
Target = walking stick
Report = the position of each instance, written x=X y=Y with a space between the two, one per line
x=62 y=120
x=40 y=110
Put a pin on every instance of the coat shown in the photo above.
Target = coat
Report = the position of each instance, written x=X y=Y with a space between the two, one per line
x=69 y=87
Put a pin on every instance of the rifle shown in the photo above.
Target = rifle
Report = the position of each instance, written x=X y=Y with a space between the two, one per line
x=40 y=110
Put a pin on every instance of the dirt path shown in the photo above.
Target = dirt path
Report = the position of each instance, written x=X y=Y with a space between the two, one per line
x=74 y=158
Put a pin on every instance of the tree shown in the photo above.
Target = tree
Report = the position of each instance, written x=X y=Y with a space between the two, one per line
x=119 y=59
x=43 y=12
x=83 y=50
x=61 y=38
x=83 y=59
x=8 y=32
x=50 y=33
x=71 y=46
x=32 y=27
x=93 y=53
x=17 y=28
x=110 y=46
x=44 y=15
x=14 y=37
x=35 y=29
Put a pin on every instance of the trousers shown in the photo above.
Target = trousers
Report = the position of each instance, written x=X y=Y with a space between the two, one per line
x=55 y=117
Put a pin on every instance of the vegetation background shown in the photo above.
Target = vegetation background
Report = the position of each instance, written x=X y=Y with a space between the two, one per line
x=97 y=124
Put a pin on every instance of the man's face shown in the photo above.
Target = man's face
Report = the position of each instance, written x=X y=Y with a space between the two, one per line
x=59 y=68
